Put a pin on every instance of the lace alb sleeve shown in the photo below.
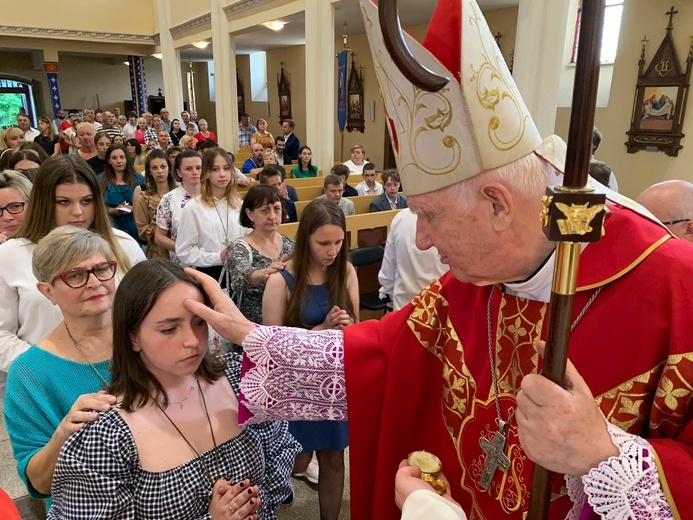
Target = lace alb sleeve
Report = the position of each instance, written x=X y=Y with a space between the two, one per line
x=294 y=374
x=625 y=487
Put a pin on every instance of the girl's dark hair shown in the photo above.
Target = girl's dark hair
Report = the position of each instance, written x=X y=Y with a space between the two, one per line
x=23 y=155
x=185 y=154
x=40 y=214
x=136 y=144
x=149 y=180
x=137 y=294
x=31 y=145
x=320 y=212
x=109 y=174
x=300 y=161
x=257 y=196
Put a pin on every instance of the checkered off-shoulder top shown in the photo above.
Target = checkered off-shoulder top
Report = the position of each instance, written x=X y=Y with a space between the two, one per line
x=98 y=474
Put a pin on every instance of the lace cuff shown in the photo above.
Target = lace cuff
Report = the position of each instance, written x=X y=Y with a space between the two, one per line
x=626 y=487
x=294 y=375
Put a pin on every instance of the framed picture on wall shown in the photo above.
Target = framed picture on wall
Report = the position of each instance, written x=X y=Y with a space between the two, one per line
x=661 y=93
x=355 y=117
x=284 y=89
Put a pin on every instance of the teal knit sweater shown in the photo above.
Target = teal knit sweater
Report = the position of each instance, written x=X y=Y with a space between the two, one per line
x=41 y=389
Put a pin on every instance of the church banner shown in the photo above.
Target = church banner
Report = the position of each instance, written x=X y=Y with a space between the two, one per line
x=342 y=87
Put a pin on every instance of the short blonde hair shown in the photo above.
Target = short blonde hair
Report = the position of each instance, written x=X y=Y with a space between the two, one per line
x=63 y=248
x=9 y=133
x=357 y=147
x=17 y=182
x=85 y=125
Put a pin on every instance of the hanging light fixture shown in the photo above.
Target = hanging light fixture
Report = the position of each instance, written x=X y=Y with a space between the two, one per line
x=275 y=25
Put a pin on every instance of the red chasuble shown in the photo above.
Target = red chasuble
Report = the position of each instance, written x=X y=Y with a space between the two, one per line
x=420 y=378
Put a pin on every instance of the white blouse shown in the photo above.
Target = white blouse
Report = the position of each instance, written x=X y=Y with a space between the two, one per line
x=26 y=316
x=203 y=231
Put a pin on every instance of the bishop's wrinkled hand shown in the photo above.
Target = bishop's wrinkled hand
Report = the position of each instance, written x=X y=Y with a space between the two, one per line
x=561 y=429
x=223 y=316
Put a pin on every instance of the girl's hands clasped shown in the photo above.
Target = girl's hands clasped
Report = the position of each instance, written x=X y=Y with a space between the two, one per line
x=238 y=501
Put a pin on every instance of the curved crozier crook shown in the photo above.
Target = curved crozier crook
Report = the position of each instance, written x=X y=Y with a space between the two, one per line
x=419 y=75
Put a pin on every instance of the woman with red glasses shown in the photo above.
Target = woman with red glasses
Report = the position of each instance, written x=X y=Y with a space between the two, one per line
x=55 y=387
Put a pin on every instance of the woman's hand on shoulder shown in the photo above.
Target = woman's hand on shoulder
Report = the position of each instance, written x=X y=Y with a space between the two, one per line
x=234 y=501
x=84 y=410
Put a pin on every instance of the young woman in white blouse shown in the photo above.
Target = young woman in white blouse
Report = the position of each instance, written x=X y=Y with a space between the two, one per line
x=188 y=168
x=65 y=192
x=210 y=222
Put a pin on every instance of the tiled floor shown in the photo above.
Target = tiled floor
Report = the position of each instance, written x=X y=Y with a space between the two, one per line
x=305 y=506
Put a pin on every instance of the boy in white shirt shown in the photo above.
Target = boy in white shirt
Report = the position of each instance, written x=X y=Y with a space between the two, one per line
x=369 y=186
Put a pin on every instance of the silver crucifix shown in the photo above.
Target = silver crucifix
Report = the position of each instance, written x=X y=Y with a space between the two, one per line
x=495 y=456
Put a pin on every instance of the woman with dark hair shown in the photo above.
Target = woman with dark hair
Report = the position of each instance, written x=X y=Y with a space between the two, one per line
x=159 y=179
x=318 y=290
x=176 y=132
x=119 y=181
x=210 y=222
x=305 y=167
x=189 y=169
x=54 y=387
x=22 y=160
x=134 y=149
x=47 y=138
x=65 y=192
x=252 y=259
x=98 y=163
x=173 y=448
x=34 y=147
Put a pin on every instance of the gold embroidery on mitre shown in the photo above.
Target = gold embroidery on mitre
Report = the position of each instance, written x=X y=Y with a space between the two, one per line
x=516 y=331
x=493 y=86
x=422 y=119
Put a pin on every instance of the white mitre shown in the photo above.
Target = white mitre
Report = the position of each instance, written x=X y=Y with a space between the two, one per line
x=477 y=122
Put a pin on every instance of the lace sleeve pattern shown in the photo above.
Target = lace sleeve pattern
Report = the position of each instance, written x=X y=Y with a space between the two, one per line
x=626 y=487
x=294 y=374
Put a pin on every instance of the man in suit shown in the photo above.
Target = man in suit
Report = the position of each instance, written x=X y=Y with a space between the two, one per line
x=389 y=199
x=291 y=142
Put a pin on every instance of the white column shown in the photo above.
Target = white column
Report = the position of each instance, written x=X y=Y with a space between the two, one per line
x=539 y=55
x=224 y=54
x=320 y=85
x=170 y=61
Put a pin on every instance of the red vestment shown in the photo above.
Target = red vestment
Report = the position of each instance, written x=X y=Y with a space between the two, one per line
x=419 y=379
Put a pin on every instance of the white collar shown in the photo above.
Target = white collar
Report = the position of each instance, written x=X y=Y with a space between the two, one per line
x=538 y=287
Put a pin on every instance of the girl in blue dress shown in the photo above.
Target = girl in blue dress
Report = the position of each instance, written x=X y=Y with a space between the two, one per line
x=318 y=290
x=119 y=181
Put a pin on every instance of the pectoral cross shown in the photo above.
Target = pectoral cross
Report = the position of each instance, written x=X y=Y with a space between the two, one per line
x=495 y=456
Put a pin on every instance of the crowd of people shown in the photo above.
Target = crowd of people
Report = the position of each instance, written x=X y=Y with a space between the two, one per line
x=87 y=221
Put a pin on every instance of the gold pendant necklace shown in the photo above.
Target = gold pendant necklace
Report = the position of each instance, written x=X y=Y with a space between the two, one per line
x=211 y=430
x=84 y=355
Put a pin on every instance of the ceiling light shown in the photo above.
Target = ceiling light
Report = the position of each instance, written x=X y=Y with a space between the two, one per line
x=158 y=55
x=276 y=25
x=201 y=45
x=126 y=63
